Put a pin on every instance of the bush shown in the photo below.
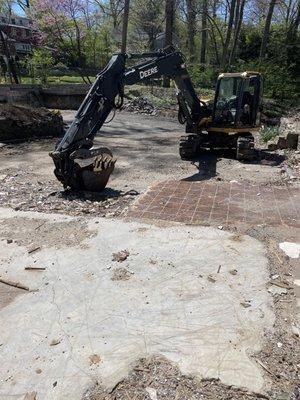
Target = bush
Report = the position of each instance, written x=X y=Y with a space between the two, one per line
x=268 y=133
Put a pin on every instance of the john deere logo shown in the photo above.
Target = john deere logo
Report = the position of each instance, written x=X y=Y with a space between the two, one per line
x=148 y=72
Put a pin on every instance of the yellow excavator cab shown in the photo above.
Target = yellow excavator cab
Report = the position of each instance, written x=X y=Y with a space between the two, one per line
x=237 y=102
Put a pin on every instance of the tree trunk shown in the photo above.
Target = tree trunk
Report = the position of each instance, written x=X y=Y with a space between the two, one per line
x=203 y=34
x=191 y=27
x=10 y=65
x=125 y=26
x=237 y=30
x=228 y=34
x=266 y=33
x=169 y=15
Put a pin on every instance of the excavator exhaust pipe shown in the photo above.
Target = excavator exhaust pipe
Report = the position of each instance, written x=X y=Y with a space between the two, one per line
x=85 y=169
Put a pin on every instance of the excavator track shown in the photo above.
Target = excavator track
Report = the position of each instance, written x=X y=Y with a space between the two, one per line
x=189 y=146
x=245 y=148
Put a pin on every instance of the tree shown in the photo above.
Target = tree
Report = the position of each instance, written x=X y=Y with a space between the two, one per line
x=125 y=26
x=203 y=33
x=266 y=32
x=169 y=18
x=225 y=52
x=191 y=27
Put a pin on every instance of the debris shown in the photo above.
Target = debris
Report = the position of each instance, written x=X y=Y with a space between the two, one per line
x=233 y=272
x=279 y=345
x=245 y=303
x=280 y=283
x=30 y=396
x=277 y=290
x=121 y=274
x=34 y=268
x=32 y=248
x=296 y=330
x=219 y=269
x=9 y=241
x=152 y=393
x=38 y=371
x=211 y=279
x=20 y=122
x=220 y=227
x=94 y=359
x=275 y=276
x=265 y=367
x=291 y=249
x=14 y=284
x=121 y=256
x=55 y=342
x=140 y=105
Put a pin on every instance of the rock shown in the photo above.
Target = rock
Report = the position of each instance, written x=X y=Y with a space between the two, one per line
x=30 y=396
x=94 y=359
x=245 y=304
x=291 y=249
x=281 y=142
x=292 y=140
x=272 y=145
x=233 y=272
x=296 y=330
x=121 y=256
x=9 y=241
x=55 y=342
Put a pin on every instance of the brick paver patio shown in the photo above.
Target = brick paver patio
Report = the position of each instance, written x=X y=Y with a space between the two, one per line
x=220 y=202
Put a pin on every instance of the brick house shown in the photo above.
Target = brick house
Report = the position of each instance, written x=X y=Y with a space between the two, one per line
x=19 y=32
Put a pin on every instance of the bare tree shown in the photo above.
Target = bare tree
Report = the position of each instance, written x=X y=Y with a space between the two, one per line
x=191 y=27
x=239 y=14
x=225 y=55
x=169 y=16
x=125 y=26
x=266 y=32
x=203 y=33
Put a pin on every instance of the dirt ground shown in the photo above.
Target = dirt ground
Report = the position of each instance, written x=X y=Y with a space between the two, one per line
x=147 y=152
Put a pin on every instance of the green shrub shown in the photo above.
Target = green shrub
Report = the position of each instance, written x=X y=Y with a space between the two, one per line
x=268 y=133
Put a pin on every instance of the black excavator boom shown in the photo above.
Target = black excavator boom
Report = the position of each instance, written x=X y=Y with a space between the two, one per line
x=81 y=166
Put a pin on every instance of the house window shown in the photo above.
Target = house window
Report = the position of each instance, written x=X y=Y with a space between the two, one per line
x=21 y=22
x=27 y=32
x=13 y=21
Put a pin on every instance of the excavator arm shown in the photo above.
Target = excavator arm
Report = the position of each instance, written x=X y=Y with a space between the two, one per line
x=77 y=164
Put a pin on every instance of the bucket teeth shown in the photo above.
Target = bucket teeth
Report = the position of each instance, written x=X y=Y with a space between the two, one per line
x=93 y=169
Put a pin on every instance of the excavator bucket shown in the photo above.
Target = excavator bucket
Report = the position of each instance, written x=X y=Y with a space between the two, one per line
x=90 y=169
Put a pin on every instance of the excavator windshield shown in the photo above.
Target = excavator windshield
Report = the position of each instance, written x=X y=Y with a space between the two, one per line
x=237 y=100
x=226 y=102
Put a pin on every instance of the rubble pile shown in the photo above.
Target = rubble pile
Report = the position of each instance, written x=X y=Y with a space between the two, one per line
x=20 y=123
x=140 y=105
x=27 y=191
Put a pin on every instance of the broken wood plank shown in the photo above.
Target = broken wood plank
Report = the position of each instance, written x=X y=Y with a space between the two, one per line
x=14 y=284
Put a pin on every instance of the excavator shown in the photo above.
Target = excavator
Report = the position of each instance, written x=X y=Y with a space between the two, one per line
x=228 y=122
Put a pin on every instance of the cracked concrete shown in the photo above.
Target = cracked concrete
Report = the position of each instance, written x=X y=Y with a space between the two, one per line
x=181 y=301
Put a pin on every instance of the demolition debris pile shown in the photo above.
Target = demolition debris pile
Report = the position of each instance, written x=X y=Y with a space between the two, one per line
x=140 y=105
x=21 y=123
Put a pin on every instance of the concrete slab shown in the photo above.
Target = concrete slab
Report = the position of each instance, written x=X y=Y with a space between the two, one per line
x=179 y=299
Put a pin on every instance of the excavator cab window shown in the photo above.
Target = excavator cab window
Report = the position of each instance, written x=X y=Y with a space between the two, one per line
x=226 y=101
x=237 y=101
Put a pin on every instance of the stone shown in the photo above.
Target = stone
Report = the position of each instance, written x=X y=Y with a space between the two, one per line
x=291 y=249
x=272 y=145
x=281 y=142
x=292 y=140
